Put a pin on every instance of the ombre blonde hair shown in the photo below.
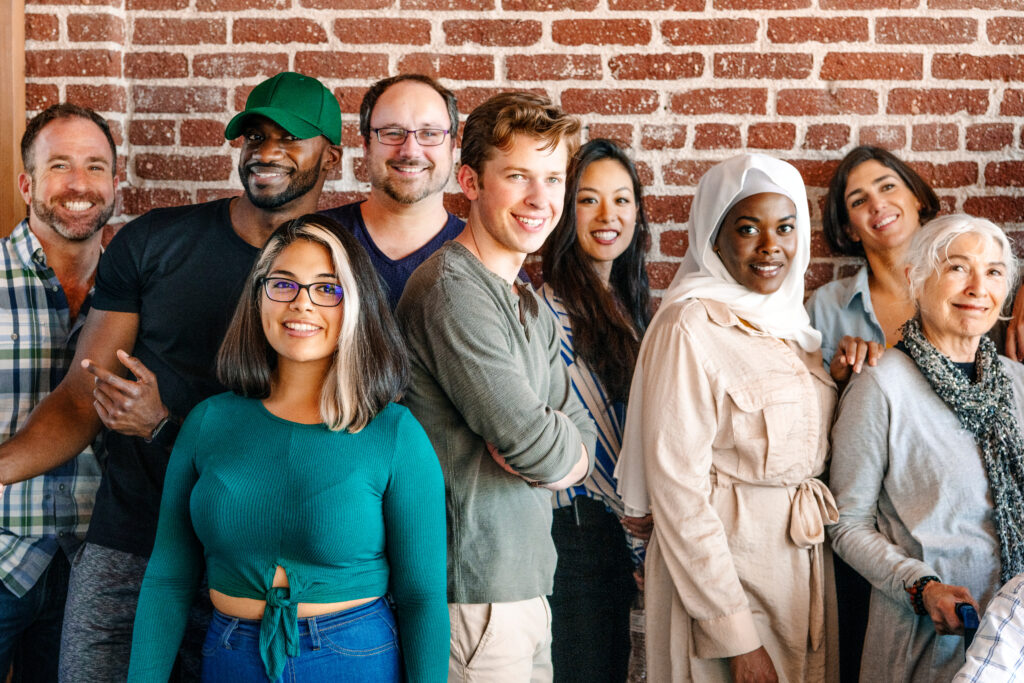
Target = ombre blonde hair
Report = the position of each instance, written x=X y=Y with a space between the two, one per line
x=370 y=367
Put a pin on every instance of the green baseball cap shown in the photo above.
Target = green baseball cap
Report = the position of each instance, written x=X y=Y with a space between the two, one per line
x=299 y=104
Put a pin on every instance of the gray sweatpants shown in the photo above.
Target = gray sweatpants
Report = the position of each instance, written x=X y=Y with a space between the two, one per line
x=103 y=592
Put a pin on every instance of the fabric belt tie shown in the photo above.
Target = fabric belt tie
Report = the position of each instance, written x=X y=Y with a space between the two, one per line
x=813 y=509
x=279 y=631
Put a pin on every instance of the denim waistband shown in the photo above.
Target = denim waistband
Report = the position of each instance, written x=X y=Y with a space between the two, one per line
x=308 y=624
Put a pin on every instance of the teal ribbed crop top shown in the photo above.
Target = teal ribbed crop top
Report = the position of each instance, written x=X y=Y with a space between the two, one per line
x=348 y=516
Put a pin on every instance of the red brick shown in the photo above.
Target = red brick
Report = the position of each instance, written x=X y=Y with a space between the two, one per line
x=871 y=66
x=202 y=133
x=690 y=32
x=1013 y=103
x=155 y=4
x=971 y=67
x=817 y=274
x=720 y=101
x=671 y=136
x=685 y=172
x=670 y=209
x=39 y=96
x=101 y=98
x=771 y=135
x=925 y=30
x=1005 y=31
x=815 y=173
x=996 y=209
x=138 y=200
x=1005 y=174
x=145 y=65
x=818 y=30
x=241 y=65
x=912 y=101
x=645 y=173
x=89 y=28
x=241 y=5
x=291 y=30
x=349 y=99
x=954 y=174
x=41 y=27
x=505 y=32
x=861 y=5
x=44 y=63
x=173 y=99
x=660 y=273
x=179 y=167
x=472 y=97
x=931 y=137
x=827 y=136
x=807 y=102
x=819 y=245
x=620 y=132
x=457 y=204
x=545 y=67
x=108 y=3
x=449 y=5
x=660 y=67
x=159 y=31
x=329 y=200
x=616 y=101
x=975 y=4
x=359 y=170
x=989 y=137
x=209 y=195
x=761 y=4
x=151 y=132
x=716 y=136
x=601 y=31
x=347 y=4
x=886 y=137
x=454 y=67
x=337 y=64
x=762 y=65
x=674 y=242
x=657 y=5
x=548 y=5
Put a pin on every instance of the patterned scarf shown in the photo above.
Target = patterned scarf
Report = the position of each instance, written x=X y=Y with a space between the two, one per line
x=987 y=409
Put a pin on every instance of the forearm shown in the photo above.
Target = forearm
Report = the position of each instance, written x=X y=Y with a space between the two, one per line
x=577 y=474
x=61 y=426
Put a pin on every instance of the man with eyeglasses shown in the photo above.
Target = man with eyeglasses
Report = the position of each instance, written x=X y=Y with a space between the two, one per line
x=166 y=289
x=409 y=124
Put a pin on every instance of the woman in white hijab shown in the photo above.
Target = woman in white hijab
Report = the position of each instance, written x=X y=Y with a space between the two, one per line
x=729 y=415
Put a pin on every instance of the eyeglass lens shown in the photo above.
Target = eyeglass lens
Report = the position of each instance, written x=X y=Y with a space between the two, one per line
x=320 y=293
x=427 y=137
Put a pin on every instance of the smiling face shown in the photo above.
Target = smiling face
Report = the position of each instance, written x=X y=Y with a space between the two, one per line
x=757 y=241
x=961 y=300
x=605 y=212
x=409 y=172
x=276 y=167
x=515 y=200
x=299 y=331
x=70 y=191
x=883 y=211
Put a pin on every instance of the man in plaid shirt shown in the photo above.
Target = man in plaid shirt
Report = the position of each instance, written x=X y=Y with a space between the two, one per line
x=48 y=263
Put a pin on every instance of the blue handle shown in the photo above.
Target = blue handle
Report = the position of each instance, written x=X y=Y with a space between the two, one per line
x=969 y=618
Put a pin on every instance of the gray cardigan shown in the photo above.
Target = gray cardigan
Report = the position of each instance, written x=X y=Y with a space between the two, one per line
x=913 y=501
x=483 y=370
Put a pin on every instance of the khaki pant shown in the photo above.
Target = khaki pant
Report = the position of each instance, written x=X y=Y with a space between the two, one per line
x=500 y=642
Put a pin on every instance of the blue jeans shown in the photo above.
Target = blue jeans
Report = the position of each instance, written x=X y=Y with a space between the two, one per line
x=30 y=626
x=358 y=644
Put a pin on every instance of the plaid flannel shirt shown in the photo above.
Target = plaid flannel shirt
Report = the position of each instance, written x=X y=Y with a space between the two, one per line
x=51 y=511
x=997 y=653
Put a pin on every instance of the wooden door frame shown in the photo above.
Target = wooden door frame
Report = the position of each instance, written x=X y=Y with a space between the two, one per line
x=12 y=111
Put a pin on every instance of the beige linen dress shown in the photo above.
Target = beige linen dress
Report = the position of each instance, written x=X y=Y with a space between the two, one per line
x=735 y=431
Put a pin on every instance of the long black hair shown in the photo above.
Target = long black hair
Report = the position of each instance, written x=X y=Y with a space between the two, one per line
x=607 y=322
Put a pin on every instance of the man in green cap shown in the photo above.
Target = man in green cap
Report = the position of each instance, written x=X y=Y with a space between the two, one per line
x=165 y=291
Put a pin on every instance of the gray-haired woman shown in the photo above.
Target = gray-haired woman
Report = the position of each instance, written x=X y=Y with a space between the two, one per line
x=928 y=458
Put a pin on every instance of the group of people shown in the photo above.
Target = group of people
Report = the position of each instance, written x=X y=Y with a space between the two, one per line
x=358 y=445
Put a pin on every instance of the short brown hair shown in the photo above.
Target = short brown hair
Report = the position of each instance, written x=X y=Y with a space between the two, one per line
x=377 y=89
x=370 y=367
x=56 y=112
x=496 y=123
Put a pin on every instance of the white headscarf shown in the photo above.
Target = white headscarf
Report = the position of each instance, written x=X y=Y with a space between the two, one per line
x=702 y=273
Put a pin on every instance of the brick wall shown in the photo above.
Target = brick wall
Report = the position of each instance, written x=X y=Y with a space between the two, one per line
x=683 y=82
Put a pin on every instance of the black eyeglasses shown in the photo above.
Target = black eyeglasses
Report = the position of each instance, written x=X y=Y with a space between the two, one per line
x=427 y=137
x=284 y=290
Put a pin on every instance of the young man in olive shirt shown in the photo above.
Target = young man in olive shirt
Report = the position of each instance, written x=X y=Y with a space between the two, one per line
x=492 y=392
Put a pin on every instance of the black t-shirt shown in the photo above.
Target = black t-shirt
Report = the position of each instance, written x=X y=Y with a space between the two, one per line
x=393 y=273
x=181 y=270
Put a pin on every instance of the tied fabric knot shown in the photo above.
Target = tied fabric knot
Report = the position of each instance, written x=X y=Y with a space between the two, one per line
x=813 y=509
x=279 y=631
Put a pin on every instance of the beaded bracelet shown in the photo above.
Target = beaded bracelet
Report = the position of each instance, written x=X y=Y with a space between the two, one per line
x=916 y=591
